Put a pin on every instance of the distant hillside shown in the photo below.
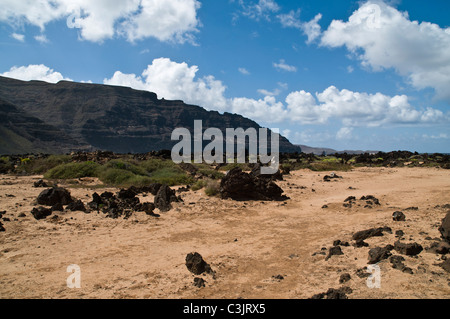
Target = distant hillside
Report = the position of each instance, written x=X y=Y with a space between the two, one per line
x=321 y=150
x=22 y=133
x=73 y=116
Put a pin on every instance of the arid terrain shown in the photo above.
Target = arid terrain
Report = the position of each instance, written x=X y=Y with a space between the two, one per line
x=257 y=249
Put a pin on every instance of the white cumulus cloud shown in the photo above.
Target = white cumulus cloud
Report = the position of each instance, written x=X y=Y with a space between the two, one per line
x=384 y=38
x=165 y=20
x=179 y=81
x=35 y=72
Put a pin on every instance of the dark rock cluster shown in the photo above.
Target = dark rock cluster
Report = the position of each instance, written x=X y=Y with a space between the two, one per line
x=196 y=265
x=112 y=205
x=239 y=185
x=333 y=293
x=368 y=201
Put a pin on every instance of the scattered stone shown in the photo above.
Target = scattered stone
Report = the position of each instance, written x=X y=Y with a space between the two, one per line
x=373 y=232
x=52 y=196
x=340 y=243
x=332 y=293
x=378 y=254
x=371 y=198
x=407 y=270
x=318 y=253
x=412 y=208
x=398 y=216
x=399 y=233
x=164 y=198
x=278 y=277
x=360 y=243
x=335 y=250
x=444 y=229
x=344 y=278
x=441 y=248
x=41 y=212
x=199 y=282
x=22 y=215
x=196 y=264
x=410 y=249
x=328 y=178
x=324 y=206
x=397 y=262
x=362 y=273
x=148 y=208
x=40 y=183
x=77 y=206
x=1 y=227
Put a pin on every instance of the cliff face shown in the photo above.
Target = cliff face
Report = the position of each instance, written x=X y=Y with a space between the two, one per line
x=93 y=116
x=22 y=133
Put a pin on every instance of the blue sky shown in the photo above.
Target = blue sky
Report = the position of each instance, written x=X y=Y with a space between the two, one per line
x=371 y=75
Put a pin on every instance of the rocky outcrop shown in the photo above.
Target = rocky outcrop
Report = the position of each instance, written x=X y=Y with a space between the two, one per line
x=55 y=195
x=239 y=185
x=164 y=198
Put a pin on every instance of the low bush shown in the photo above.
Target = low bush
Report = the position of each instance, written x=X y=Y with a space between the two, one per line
x=74 y=170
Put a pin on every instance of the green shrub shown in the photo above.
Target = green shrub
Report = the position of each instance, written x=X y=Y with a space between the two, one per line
x=170 y=176
x=121 y=177
x=127 y=166
x=154 y=164
x=212 y=188
x=329 y=166
x=331 y=159
x=198 y=185
x=5 y=165
x=74 y=170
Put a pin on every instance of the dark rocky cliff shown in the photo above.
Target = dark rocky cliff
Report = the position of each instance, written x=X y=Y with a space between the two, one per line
x=113 y=118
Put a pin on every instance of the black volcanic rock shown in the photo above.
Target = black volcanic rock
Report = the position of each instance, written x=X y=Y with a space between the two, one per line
x=444 y=229
x=410 y=249
x=196 y=264
x=55 y=195
x=41 y=212
x=398 y=216
x=77 y=206
x=104 y=117
x=239 y=185
x=164 y=198
x=379 y=253
x=373 y=232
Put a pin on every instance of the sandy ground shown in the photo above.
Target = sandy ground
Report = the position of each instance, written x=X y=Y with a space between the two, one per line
x=247 y=244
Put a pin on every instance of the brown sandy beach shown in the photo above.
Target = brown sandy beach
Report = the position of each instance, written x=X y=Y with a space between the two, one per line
x=258 y=249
